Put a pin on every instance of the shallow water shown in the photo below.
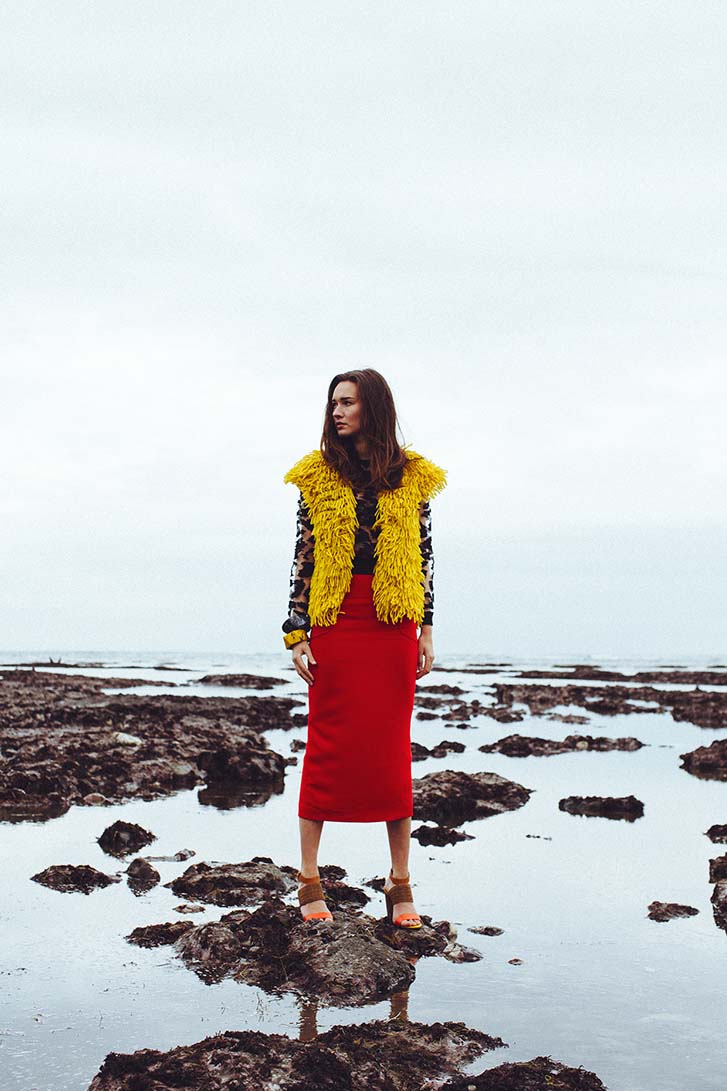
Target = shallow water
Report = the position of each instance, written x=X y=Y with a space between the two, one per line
x=638 y=1002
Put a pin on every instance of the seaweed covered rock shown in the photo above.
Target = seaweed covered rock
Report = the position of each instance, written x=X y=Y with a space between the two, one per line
x=375 y=1056
x=451 y=797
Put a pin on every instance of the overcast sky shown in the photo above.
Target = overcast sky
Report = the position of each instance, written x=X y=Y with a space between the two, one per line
x=515 y=211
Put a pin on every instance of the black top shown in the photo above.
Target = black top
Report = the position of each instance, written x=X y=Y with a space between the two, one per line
x=363 y=562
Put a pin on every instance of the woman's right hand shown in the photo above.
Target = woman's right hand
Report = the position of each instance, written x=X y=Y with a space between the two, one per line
x=301 y=650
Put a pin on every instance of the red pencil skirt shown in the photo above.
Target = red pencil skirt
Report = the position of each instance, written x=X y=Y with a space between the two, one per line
x=357 y=761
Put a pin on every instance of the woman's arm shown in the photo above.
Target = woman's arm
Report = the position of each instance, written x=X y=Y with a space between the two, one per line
x=425 y=542
x=425 y=647
x=301 y=572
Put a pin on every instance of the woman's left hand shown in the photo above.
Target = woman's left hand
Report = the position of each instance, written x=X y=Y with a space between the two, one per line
x=425 y=651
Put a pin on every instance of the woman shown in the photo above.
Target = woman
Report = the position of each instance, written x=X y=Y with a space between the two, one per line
x=361 y=581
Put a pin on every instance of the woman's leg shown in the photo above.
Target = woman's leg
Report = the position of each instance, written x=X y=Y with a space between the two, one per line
x=399 y=831
x=310 y=839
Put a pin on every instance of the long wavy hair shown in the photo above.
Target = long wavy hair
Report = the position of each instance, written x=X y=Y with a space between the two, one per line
x=378 y=423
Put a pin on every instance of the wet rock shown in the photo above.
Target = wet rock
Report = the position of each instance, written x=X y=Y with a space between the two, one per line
x=339 y=962
x=703 y=708
x=439 y=835
x=486 y=930
x=297 y=745
x=141 y=876
x=183 y=854
x=707 y=762
x=342 y=896
x=718 y=869
x=420 y=752
x=121 y=838
x=539 y=1074
x=568 y=718
x=666 y=911
x=597 y=674
x=375 y=1056
x=95 y=799
x=159 y=935
x=515 y=962
x=628 y=807
x=518 y=746
x=189 y=908
x=719 y=903
x=717 y=834
x=433 y=938
x=243 y=681
x=451 y=797
x=700 y=707
x=69 y=878
x=235 y=884
x=63 y=740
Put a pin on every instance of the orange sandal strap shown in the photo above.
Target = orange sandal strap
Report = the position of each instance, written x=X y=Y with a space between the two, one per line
x=319 y=916
x=404 y=920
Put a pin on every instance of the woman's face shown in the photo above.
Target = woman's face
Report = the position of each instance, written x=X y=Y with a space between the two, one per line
x=346 y=409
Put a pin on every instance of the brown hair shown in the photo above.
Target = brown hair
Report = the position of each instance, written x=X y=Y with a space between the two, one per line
x=378 y=423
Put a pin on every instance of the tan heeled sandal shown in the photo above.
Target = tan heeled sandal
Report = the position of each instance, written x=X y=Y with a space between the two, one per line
x=312 y=891
x=401 y=892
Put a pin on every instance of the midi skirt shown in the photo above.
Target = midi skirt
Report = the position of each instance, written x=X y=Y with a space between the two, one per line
x=357 y=761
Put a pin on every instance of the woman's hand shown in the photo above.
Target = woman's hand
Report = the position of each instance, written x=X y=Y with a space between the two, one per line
x=299 y=650
x=425 y=651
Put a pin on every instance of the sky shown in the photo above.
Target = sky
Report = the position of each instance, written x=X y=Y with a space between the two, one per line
x=514 y=211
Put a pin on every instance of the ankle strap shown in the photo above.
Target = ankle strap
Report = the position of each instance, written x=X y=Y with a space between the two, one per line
x=398 y=882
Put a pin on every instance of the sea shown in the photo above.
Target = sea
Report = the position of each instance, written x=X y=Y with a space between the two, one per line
x=579 y=972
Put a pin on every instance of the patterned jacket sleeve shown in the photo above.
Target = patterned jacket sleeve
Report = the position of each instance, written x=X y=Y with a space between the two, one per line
x=301 y=571
x=425 y=542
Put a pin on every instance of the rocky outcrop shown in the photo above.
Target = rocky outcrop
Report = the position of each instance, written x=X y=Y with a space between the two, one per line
x=440 y=835
x=242 y=681
x=628 y=807
x=63 y=742
x=451 y=797
x=121 y=838
x=519 y=746
x=707 y=762
x=71 y=878
x=667 y=911
x=246 y=883
x=717 y=834
x=374 y=1056
x=540 y=1074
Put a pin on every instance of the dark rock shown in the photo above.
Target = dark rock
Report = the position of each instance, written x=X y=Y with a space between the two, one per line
x=234 y=884
x=159 y=935
x=707 y=762
x=705 y=709
x=718 y=869
x=719 y=903
x=518 y=746
x=141 y=876
x=717 y=834
x=374 y=1056
x=666 y=911
x=439 y=835
x=451 y=797
x=337 y=963
x=69 y=878
x=539 y=1074
x=486 y=930
x=419 y=752
x=64 y=741
x=297 y=744
x=121 y=838
x=243 y=681
x=628 y=807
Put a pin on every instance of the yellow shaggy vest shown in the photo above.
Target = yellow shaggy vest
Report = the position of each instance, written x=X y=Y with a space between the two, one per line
x=398 y=582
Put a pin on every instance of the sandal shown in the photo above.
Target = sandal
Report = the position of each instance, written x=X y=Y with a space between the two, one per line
x=312 y=891
x=401 y=892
